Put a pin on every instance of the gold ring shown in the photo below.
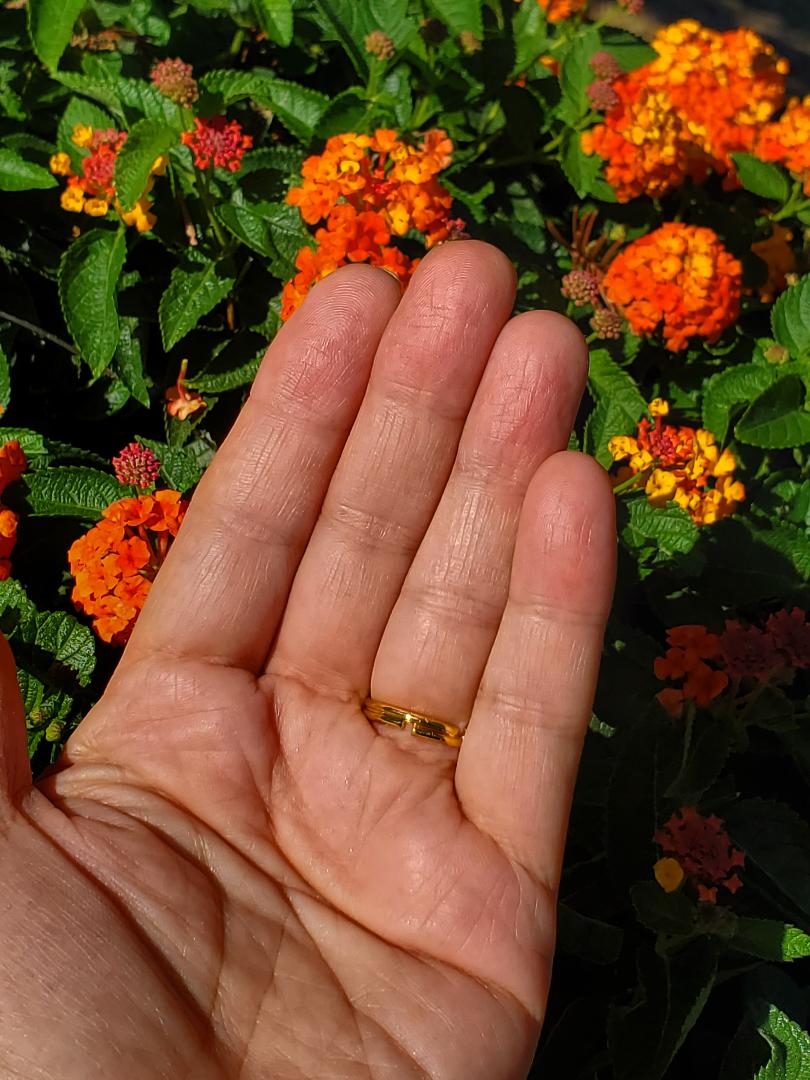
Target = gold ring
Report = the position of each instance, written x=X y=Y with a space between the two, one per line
x=426 y=727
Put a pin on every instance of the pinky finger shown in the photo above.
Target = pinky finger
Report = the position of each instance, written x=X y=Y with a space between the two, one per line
x=519 y=760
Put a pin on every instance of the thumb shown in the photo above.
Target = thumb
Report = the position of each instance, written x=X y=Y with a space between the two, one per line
x=15 y=771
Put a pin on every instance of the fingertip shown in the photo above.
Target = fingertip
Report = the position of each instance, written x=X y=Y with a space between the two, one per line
x=476 y=266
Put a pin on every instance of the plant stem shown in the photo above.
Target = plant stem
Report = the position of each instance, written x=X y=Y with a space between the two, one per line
x=39 y=332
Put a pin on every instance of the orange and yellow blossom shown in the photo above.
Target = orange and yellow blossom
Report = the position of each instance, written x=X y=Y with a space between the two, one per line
x=13 y=464
x=679 y=465
x=706 y=95
x=777 y=254
x=679 y=278
x=558 y=10
x=116 y=561
x=367 y=189
x=787 y=140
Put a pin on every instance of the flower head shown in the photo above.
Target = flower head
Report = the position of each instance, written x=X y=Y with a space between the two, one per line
x=680 y=465
x=12 y=465
x=378 y=43
x=748 y=652
x=558 y=10
x=789 y=633
x=703 y=850
x=601 y=95
x=679 y=278
x=136 y=464
x=182 y=402
x=604 y=65
x=174 y=79
x=787 y=140
x=218 y=142
x=581 y=286
x=116 y=561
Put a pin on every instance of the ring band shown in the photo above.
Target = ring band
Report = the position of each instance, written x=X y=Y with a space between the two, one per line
x=426 y=727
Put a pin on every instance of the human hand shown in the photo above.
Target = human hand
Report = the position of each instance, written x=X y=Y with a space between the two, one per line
x=232 y=872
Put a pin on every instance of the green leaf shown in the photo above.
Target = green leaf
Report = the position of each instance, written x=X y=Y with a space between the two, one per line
x=5 y=380
x=460 y=15
x=17 y=174
x=576 y=76
x=762 y=178
x=128 y=361
x=777 y=840
x=232 y=86
x=737 y=385
x=790 y=1047
x=71 y=491
x=671 y=995
x=632 y=52
x=670 y=527
x=790 y=541
x=619 y=404
x=147 y=141
x=192 y=292
x=178 y=466
x=529 y=35
x=663 y=912
x=590 y=939
x=31 y=442
x=770 y=939
x=66 y=640
x=706 y=755
x=247 y=226
x=88 y=279
x=50 y=24
x=790 y=318
x=226 y=380
x=580 y=169
x=299 y=108
x=777 y=418
x=276 y=19
x=287 y=231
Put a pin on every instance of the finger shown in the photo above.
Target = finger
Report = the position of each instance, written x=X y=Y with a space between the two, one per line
x=518 y=762
x=15 y=771
x=395 y=465
x=225 y=582
x=451 y=604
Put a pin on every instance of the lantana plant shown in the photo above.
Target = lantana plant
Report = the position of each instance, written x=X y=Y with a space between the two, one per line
x=177 y=178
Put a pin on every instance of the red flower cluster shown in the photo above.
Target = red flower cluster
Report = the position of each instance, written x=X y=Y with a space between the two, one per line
x=368 y=189
x=136 y=465
x=116 y=561
x=174 y=79
x=217 y=142
x=709 y=662
x=12 y=465
x=702 y=851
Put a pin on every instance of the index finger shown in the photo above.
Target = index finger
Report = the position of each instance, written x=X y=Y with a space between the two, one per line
x=223 y=587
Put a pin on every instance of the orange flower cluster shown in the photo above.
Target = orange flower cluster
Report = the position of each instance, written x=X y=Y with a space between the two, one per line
x=788 y=140
x=558 y=10
x=115 y=562
x=679 y=277
x=701 y=849
x=12 y=465
x=709 y=662
x=707 y=95
x=678 y=465
x=94 y=191
x=369 y=188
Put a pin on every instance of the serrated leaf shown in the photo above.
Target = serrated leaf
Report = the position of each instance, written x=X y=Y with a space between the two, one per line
x=770 y=939
x=247 y=226
x=790 y=1047
x=777 y=840
x=790 y=318
x=737 y=385
x=790 y=541
x=231 y=86
x=672 y=993
x=608 y=382
x=287 y=231
x=31 y=442
x=88 y=280
x=50 y=24
x=17 y=174
x=460 y=15
x=192 y=292
x=71 y=491
x=529 y=35
x=5 y=381
x=580 y=169
x=670 y=527
x=299 y=108
x=147 y=141
x=226 y=380
x=777 y=418
x=761 y=177
x=128 y=361
x=276 y=19
x=65 y=638
x=631 y=52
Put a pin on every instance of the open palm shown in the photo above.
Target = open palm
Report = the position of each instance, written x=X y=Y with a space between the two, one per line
x=232 y=873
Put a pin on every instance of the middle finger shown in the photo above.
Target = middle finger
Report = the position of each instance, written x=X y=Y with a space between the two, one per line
x=394 y=466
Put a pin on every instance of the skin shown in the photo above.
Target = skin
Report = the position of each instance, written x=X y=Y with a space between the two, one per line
x=231 y=872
